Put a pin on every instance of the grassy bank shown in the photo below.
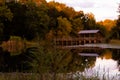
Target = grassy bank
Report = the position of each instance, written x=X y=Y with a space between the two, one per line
x=31 y=76
x=36 y=76
x=114 y=41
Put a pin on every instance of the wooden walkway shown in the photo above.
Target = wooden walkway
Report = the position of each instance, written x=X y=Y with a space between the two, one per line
x=77 y=41
x=97 y=48
x=91 y=46
x=104 y=46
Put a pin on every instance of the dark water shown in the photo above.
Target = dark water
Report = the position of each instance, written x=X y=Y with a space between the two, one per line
x=104 y=63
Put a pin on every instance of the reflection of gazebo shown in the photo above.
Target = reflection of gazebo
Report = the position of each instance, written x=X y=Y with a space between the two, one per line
x=90 y=36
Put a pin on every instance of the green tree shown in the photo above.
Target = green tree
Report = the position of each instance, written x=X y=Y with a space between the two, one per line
x=37 y=19
x=17 y=25
x=29 y=20
x=76 y=26
x=5 y=17
x=77 y=23
x=64 y=27
x=53 y=14
x=115 y=32
x=102 y=29
x=89 y=22
x=5 y=13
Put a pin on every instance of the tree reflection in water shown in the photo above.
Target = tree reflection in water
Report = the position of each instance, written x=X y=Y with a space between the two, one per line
x=106 y=64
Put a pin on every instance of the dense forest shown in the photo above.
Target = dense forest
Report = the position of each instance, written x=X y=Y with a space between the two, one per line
x=43 y=22
x=49 y=20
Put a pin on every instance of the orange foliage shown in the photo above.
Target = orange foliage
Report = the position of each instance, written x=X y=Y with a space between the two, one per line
x=109 y=24
x=35 y=1
x=69 y=11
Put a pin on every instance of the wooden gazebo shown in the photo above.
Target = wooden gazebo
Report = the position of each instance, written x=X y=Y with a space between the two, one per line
x=90 y=36
x=84 y=37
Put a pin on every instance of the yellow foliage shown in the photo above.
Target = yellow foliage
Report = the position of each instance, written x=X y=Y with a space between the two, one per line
x=109 y=24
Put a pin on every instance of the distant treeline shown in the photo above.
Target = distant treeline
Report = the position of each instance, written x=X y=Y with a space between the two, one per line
x=49 y=20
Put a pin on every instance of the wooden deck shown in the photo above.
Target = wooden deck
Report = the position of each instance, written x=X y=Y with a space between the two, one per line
x=92 y=46
x=77 y=41
x=96 y=48
x=104 y=46
x=89 y=54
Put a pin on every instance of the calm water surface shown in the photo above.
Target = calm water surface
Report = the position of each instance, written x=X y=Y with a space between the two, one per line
x=106 y=65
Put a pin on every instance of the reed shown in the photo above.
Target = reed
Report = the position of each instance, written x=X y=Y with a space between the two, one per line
x=94 y=75
x=50 y=76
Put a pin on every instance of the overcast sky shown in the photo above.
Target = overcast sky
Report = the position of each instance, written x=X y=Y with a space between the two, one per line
x=102 y=9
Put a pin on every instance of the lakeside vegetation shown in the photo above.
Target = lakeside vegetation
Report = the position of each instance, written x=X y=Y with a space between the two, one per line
x=34 y=76
x=35 y=27
x=115 y=41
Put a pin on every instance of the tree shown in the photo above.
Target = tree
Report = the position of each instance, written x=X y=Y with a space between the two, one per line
x=67 y=12
x=63 y=10
x=108 y=24
x=37 y=19
x=5 y=17
x=37 y=2
x=64 y=27
x=115 y=32
x=57 y=5
x=77 y=23
x=29 y=20
x=102 y=29
x=53 y=14
x=118 y=23
x=5 y=13
x=89 y=21
x=17 y=25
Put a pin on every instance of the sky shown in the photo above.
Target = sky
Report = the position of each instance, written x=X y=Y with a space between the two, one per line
x=102 y=9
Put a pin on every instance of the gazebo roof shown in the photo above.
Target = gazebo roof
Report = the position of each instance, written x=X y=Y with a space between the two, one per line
x=88 y=31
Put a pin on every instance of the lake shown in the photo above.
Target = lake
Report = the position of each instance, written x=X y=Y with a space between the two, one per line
x=104 y=65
